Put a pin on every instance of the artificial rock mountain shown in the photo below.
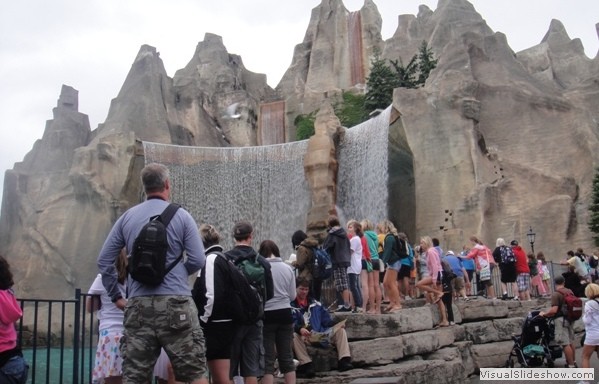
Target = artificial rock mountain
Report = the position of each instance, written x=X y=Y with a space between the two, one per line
x=495 y=141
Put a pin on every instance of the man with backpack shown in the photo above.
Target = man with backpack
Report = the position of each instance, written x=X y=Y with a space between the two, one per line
x=337 y=245
x=566 y=305
x=506 y=259
x=247 y=357
x=304 y=247
x=161 y=314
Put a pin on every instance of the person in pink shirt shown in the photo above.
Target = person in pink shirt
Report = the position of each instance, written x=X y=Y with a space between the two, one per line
x=13 y=368
x=432 y=282
x=482 y=256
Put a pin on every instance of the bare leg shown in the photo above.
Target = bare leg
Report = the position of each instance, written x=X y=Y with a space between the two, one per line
x=219 y=370
x=364 y=289
x=378 y=294
x=390 y=284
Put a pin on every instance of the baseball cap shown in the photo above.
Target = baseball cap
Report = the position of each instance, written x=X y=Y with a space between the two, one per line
x=514 y=242
x=242 y=230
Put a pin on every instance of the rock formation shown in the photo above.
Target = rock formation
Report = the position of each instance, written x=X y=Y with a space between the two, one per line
x=500 y=141
x=320 y=165
x=334 y=56
x=495 y=142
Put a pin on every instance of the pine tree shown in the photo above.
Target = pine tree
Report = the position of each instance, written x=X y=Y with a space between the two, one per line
x=406 y=75
x=426 y=63
x=379 y=85
x=594 y=209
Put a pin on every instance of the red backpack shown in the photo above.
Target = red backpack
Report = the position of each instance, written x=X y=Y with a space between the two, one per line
x=572 y=307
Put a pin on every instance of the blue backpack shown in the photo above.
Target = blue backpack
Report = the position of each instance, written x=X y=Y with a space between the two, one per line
x=323 y=267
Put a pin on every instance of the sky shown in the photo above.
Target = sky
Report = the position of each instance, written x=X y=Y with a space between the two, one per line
x=90 y=45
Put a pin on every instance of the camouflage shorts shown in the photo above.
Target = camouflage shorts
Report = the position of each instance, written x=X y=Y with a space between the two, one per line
x=171 y=322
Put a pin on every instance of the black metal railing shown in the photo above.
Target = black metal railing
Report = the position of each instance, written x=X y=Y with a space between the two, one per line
x=58 y=338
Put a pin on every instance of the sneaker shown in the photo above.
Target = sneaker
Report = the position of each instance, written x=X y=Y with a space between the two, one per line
x=504 y=296
x=344 y=309
x=516 y=298
x=358 y=310
x=408 y=298
x=344 y=364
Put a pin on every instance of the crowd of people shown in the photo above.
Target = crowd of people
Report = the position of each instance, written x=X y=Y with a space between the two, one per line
x=173 y=333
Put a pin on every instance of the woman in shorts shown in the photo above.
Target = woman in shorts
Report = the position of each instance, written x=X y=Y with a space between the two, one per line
x=210 y=294
x=591 y=324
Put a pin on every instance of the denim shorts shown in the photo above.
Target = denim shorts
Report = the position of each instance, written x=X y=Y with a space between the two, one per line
x=14 y=371
x=395 y=266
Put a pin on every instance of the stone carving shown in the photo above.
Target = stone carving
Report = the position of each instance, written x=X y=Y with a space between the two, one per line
x=320 y=165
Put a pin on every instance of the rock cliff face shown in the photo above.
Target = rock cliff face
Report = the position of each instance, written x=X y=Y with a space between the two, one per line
x=499 y=141
x=334 y=56
x=62 y=200
x=495 y=142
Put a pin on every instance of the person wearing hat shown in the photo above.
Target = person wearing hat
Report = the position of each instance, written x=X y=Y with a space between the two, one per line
x=461 y=280
x=564 y=335
x=304 y=260
x=522 y=271
x=247 y=352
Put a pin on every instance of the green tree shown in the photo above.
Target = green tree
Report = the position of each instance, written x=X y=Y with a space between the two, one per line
x=304 y=125
x=406 y=75
x=594 y=209
x=426 y=63
x=380 y=84
x=351 y=111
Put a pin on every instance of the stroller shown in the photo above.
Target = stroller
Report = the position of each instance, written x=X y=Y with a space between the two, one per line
x=535 y=347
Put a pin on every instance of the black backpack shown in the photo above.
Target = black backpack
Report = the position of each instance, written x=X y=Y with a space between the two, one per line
x=245 y=304
x=400 y=248
x=147 y=262
x=507 y=255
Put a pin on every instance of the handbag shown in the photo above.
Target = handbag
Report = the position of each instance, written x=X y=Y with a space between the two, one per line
x=485 y=272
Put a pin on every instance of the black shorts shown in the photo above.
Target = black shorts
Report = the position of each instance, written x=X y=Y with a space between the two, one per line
x=508 y=273
x=219 y=337
x=404 y=271
x=376 y=264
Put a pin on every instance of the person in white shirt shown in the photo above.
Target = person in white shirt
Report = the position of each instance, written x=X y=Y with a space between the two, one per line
x=108 y=365
x=591 y=324
x=354 y=270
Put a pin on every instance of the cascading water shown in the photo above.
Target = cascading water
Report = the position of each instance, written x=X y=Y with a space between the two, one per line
x=272 y=123
x=362 y=181
x=354 y=37
x=266 y=185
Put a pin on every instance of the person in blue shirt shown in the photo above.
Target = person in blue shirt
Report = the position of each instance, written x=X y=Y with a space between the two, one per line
x=461 y=282
x=407 y=265
x=309 y=317
x=469 y=266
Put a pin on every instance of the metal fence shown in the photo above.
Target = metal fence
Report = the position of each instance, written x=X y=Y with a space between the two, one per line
x=58 y=339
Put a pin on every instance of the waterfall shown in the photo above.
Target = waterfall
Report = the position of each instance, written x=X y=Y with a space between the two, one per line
x=354 y=37
x=266 y=185
x=362 y=180
x=272 y=123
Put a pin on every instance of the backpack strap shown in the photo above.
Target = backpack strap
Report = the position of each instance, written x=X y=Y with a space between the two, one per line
x=165 y=217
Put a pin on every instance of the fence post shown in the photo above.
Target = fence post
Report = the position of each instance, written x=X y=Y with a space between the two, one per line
x=76 y=331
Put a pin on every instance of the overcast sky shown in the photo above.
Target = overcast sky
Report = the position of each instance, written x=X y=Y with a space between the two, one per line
x=91 y=44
